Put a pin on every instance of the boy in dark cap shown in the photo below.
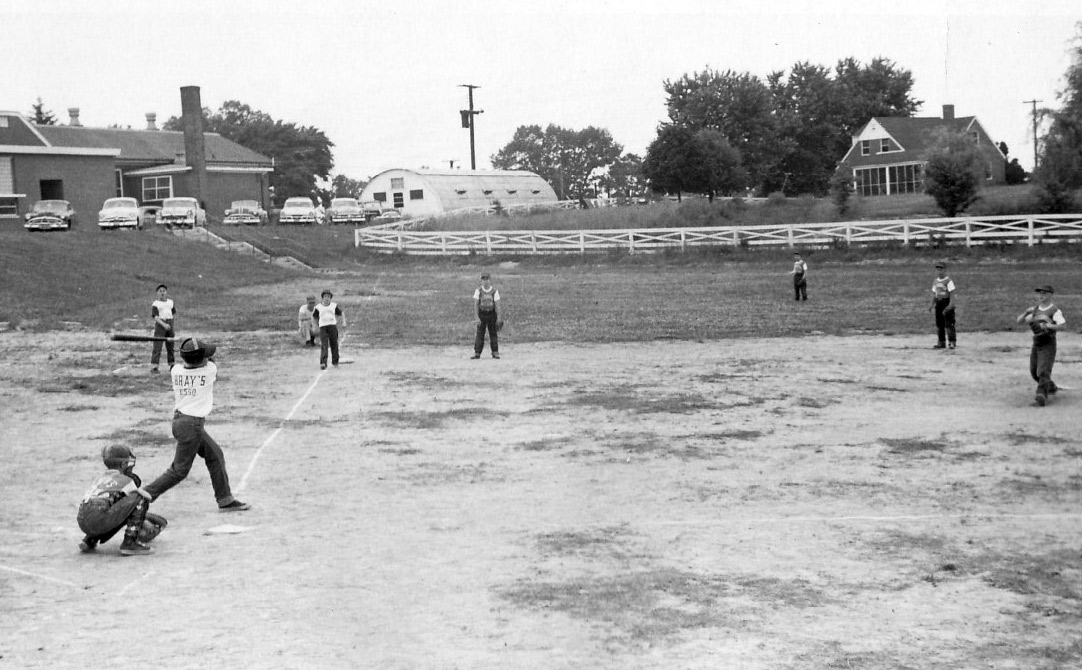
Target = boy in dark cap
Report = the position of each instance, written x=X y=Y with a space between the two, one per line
x=193 y=391
x=943 y=303
x=1044 y=320
x=487 y=301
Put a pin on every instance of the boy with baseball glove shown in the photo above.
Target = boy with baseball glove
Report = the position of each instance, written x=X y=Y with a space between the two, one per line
x=116 y=500
x=1044 y=319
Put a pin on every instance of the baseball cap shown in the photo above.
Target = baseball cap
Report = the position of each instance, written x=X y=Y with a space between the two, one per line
x=194 y=349
x=1046 y=288
x=941 y=264
x=484 y=276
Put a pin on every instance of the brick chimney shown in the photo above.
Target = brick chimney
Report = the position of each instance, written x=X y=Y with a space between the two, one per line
x=73 y=112
x=151 y=121
x=948 y=112
x=195 y=150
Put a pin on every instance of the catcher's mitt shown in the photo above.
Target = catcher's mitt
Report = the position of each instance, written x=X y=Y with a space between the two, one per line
x=499 y=325
x=152 y=527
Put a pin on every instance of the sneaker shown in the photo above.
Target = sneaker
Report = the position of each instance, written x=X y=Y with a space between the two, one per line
x=475 y=357
x=87 y=545
x=940 y=346
x=154 y=369
x=495 y=355
x=1041 y=399
x=235 y=506
x=951 y=345
x=1052 y=388
x=322 y=366
x=132 y=547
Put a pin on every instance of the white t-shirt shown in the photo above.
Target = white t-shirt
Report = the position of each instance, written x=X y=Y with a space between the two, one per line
x=327 y=314
x=162 y=309
x=193 y=388
x=493 y=293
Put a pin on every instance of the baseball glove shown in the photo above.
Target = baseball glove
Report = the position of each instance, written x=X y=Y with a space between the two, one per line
x=152 y=527
x=499 y=325
x=1039 y=325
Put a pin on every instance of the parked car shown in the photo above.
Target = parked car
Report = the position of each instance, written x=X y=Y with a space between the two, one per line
x=50 y=215
x=345 y=210
x=148 y=214
x=371 y=209
x=181 y=213
x=388 y=216
x=245 y=212
x=120 y=213
x=298 y=210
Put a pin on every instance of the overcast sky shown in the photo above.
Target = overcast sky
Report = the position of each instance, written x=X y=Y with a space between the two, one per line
x=381 y=79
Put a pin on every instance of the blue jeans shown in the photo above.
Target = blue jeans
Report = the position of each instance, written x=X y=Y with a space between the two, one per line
x=193 y=440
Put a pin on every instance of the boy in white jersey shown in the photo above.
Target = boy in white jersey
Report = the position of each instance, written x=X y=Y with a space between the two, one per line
x=800 y=277
x=164 y=314
x=329 y=317
x=487 y=300
x=1044 y=320
x=193 y=392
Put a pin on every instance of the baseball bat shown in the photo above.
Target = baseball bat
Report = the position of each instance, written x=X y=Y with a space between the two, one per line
x=125 y=337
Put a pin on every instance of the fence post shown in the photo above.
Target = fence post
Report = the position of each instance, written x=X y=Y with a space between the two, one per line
x=582 y=242
x=683 y=240
x=905 y=233
x=1029 y=224
x=488 y=243
x=630 y=242
x=969 y=242
x=848 y=235
x=790 y=229
x=443 y=242
x=533 y=242
x=400 y=246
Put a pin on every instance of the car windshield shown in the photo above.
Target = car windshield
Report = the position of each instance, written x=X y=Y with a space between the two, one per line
x=299 y=202
x=245 y=204
x=179 y=202
x=343 y=202
x=119 y=203
x=57 y=206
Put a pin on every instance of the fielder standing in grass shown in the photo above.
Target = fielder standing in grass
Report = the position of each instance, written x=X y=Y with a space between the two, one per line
x=329 y=316
x=1044 y=320
x=943 y=303
x=800 y=277
x=486 y=299
x=193 y=392
x=164 y=313
x=306 y=322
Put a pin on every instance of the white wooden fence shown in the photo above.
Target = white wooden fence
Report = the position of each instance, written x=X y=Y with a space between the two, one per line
x=969 y=231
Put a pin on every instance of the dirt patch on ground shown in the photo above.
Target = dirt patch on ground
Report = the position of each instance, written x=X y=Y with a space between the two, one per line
x=857 y=502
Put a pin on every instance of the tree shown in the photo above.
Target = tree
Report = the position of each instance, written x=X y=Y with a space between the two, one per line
x=567 y=159
x=344 y=187
x=954 y=172
x=1014 y=173
x=682 y=161
x=302 y=154
x=42 y=116
x=1059 y=172
x=625 y=177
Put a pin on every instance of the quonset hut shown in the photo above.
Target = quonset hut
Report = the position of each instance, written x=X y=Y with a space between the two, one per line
x=417 y=193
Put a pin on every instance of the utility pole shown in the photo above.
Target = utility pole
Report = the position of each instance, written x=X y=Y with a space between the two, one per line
x=1034 y=103
x=467 y=122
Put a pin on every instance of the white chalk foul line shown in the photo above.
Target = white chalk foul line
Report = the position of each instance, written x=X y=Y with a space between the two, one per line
x=266 y=443
x=840 y=519
x=37 y=576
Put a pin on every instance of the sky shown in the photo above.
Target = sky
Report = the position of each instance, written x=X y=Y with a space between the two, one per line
x=383 y=79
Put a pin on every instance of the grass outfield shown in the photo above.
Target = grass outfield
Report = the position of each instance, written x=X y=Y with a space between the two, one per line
x=614 y=298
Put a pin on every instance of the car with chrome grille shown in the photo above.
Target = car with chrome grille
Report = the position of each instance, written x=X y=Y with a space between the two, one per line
x=50 y=215
x=246 y=213
x=120 y=213
x=181 y=213
x=298 y=210
x=345 y=210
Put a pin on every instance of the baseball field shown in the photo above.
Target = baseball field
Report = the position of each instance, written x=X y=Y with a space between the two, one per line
x=671 y=466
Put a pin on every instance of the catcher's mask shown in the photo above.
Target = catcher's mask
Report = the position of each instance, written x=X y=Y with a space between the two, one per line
x=118 y=457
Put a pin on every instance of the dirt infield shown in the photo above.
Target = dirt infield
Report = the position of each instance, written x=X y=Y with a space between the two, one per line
x=823 y=502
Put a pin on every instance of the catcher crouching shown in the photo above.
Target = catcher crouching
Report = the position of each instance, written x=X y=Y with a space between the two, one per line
x=116 y=500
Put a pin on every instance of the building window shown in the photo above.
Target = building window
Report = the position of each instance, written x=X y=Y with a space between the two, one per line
x=380 y=197
x=885 y=146
x=487 y=191
x=512 y=191
x=7 y=176
x=9 y=207
x=417 y=194
x=157 y=188
x=396 y=182
x=119 y=183
x=975 y=136
x=865 y=147
x=3 y=122
x=399 y=201
x=988 y=171
x=461 y=192
x=904 y=179
x=871 y=181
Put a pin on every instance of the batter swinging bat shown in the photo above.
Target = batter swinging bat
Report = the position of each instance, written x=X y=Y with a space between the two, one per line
x=125 y=337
